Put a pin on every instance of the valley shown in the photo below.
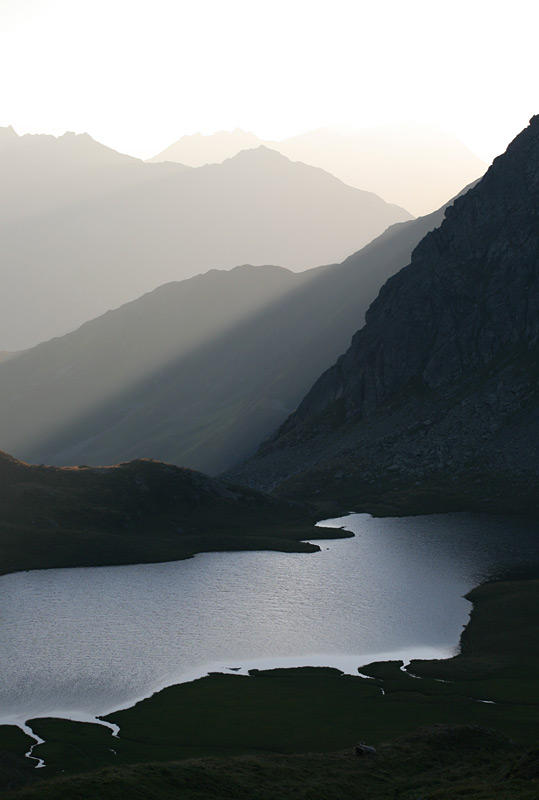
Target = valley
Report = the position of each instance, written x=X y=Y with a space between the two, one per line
x=269 y=405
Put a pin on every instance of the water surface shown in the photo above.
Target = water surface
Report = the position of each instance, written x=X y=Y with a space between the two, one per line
x=81 y=642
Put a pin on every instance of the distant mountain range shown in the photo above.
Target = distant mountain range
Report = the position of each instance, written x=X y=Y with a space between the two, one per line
x=433 y=406
x=84 y=229
x=197 y=372
x=438 y=388
x=197 y=149
x=436 y=401
x=413 y=165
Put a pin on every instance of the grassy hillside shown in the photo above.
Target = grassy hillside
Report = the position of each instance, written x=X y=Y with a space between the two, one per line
x=437 y=763
x=139 y=512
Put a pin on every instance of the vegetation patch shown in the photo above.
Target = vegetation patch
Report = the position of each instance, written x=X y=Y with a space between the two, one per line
x=138 y=512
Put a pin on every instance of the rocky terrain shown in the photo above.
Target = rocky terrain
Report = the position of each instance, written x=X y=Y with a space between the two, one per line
x=440 y=385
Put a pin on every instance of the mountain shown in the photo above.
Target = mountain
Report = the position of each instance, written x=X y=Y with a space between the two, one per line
x=84 y=229
x=411 y=164
x=140 y=512
x=436 y=399
x=198 y=149
x=41 y=173
x=197 y=372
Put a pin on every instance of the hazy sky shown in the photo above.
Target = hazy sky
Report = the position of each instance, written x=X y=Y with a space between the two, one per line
x=137 y=75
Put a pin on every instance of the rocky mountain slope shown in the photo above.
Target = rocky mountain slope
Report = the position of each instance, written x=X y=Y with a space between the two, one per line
x=197 y=372
x=441 y=383
x=84 y=229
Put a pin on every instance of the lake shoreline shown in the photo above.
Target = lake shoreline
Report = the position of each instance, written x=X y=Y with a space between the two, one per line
x=238 y=669
x=315 y=691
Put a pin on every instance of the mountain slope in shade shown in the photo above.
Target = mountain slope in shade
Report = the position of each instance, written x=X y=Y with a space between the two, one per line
x=197 y=372
x=140 y=512
x=410 y=164
x=441 y=382
x=84 y=229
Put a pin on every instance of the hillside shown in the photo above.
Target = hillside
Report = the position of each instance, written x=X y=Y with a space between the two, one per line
x=139 y=512
x=197 y=372
x=84 y=229
x=439 y=389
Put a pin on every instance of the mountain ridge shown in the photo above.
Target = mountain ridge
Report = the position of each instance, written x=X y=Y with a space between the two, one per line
x=81 y=235
x=439 y=383
x=176 y=375
x=410 y=164
x=143 y=511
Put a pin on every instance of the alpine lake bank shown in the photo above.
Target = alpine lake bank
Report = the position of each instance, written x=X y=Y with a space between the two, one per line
x=462 y=727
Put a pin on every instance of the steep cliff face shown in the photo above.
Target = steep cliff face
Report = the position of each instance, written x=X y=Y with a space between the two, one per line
x=446 y=364
x=470 y=294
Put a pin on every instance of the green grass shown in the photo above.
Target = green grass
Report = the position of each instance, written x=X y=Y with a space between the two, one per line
x=437 y=763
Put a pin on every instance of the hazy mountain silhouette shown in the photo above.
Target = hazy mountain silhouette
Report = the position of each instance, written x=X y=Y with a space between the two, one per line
x=196 y=372
x=411 y=164
x=197 y=149
x=84 y=229
x=441 y=382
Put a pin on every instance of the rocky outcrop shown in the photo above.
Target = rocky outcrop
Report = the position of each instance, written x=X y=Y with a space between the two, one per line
x=470 y=294
x=445 y=368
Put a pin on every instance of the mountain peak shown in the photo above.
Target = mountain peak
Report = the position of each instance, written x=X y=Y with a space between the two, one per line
x=260 y=153
x=7 y=135
x=198 y=149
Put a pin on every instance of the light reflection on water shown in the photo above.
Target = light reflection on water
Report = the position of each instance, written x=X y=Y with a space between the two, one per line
x=81 y=642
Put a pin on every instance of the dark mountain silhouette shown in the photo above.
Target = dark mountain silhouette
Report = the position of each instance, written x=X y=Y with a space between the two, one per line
x=197 y=372
x=411 y=164
x=441 y=382
x=84 y=229
x=143 y=511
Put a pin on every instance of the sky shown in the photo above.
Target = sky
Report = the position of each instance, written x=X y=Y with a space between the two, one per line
x=138 y=75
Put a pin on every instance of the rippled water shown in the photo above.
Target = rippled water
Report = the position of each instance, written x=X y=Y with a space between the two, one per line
x=81 y=642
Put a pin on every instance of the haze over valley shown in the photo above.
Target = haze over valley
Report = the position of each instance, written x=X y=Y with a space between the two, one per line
x=177 y=374
x=101 y=228
x=269 y=401
x=410 y=164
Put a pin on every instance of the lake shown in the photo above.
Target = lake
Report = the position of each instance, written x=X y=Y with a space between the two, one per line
x=82 y=642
